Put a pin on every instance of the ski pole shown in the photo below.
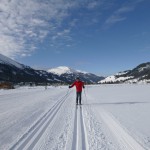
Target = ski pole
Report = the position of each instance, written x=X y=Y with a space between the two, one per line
x=85 y=96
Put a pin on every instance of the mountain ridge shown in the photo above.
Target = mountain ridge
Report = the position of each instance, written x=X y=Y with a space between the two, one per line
x=141 y=73
x=12 y=71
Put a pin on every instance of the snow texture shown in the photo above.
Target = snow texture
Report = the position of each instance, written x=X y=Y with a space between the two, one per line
x=114 y=79
x=64 y=70
x=112 y=117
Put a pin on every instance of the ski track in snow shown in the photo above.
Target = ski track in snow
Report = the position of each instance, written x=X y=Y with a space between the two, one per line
x=29 y=139
x=58 y=135
x=79 y=136
x=97 y=138
x=65 y=126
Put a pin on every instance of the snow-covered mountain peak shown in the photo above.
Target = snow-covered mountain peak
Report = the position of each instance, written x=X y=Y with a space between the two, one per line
x=62 y=70
x=8 y=61
x=82 y=71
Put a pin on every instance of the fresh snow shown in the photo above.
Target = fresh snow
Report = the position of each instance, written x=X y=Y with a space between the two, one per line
x=122 y=73
x=137 y=75
x=114 y=78
x=112 y=117
x=82 y=71
x=108 y=79
x=63 y=69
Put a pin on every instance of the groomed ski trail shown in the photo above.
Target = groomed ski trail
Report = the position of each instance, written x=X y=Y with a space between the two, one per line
x=80 y=141
x=32 y=136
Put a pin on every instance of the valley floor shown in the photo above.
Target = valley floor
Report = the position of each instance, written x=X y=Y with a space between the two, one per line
x=112 y=117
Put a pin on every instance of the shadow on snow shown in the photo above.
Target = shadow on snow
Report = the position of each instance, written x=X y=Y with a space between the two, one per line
x=117 y=103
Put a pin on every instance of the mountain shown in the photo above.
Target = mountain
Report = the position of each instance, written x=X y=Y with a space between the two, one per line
x=62 y=70
x=7 y=61
x=141 y=73
x=15 y=72
x=69 y=75
x=65 y=70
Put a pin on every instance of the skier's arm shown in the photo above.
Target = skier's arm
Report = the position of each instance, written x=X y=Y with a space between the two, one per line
x=72 y=85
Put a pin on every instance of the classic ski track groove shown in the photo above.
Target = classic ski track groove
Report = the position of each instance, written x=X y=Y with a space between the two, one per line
x=31 y=137
x=79 y=136
x=75 y=131
x=83 y=129
x=125 y=140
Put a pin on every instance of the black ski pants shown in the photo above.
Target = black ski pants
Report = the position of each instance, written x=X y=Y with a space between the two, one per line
x=78 y=97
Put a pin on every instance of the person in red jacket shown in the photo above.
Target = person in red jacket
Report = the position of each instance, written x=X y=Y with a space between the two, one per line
x=79 y=85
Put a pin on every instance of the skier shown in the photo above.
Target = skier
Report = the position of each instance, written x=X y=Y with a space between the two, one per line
x=79 y=85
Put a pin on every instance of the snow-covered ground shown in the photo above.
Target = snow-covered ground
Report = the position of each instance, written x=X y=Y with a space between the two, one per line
x=112 y=117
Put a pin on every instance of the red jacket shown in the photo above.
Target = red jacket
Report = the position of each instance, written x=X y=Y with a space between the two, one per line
x=79 y=85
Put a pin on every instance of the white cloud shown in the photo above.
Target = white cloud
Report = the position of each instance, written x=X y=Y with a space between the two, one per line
x=26 y=22
x=7 y=43
x=114 y=19
x=118 y=15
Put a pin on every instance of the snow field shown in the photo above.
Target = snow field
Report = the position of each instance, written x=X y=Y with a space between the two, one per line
x=22 y=111
x=126 y=108
x=96 y=136
x=112 y=117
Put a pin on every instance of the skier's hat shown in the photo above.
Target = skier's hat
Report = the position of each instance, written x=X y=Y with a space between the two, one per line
x=77 y=78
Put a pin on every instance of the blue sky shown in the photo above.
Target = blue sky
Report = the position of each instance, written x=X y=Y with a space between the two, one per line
x=99 y=36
